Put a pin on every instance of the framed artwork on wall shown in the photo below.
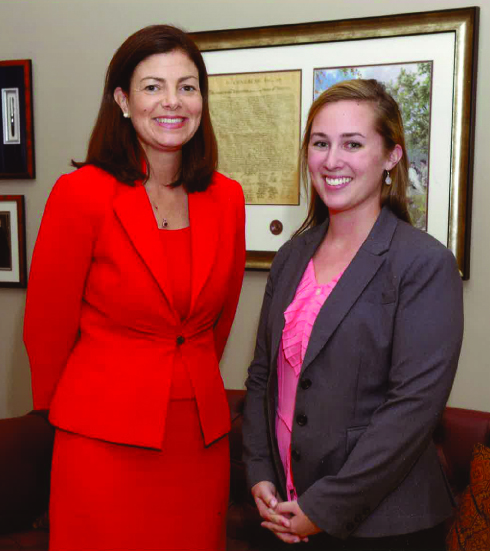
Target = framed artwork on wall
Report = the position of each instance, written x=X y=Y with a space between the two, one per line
x=263 y=81
x=17 y=121
x=13 y=265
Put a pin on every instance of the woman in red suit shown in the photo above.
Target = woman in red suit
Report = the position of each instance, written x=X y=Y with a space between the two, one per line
x=133 y=288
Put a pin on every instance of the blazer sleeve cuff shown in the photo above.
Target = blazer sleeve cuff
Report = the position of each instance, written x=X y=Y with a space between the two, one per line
x=333 y=521
x=259 y=473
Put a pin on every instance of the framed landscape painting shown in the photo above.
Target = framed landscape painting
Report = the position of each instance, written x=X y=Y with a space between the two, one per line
x=410 y=84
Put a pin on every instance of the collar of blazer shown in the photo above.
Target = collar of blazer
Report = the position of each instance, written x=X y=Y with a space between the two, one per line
x=356 y=277
x=133 y=209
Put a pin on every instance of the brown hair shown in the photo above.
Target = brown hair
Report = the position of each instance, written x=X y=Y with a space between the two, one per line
x=114 y=146
x=389 y=126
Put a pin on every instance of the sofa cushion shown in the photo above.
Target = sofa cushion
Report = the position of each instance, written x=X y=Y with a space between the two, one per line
x=470 y=530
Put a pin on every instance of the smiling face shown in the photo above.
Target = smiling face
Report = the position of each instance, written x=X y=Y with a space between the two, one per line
x=347 y=157
x=164 y=102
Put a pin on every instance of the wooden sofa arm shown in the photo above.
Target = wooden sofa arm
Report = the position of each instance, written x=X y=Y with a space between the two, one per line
x=459 y=430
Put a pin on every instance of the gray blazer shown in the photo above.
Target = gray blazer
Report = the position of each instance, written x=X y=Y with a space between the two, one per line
x=375 y=379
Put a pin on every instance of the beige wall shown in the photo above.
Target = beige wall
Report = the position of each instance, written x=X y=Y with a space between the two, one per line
x=71 y=43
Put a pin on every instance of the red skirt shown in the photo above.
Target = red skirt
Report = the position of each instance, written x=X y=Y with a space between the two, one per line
x=113 y=497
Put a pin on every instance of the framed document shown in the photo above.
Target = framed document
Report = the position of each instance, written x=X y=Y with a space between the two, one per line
x=246 y=64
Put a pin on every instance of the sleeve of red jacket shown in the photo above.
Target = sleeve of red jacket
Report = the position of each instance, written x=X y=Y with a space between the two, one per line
x=60 y=263
x=225 y=321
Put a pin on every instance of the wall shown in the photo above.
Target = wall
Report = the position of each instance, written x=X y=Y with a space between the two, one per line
x=71 y=43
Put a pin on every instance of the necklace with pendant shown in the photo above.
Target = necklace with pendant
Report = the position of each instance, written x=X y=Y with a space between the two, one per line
x=164 y=220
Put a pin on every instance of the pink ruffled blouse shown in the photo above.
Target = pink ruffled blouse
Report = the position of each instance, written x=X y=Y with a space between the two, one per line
x=299 y=319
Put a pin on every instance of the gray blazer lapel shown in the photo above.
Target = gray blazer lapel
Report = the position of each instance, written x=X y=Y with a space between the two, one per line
x=303 y=248
x=356 y=277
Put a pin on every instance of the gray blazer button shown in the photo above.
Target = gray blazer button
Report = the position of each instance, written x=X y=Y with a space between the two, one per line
x=295 y=454
x=301 y=419
x=180 y=340
x=305 y=384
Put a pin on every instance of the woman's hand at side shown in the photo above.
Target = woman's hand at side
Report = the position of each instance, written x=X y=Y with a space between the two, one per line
x=276 y=520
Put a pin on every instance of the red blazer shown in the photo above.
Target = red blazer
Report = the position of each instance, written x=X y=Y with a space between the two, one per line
x=101 y=332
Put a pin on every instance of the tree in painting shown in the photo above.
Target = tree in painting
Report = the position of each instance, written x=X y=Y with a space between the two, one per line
x=412 y=92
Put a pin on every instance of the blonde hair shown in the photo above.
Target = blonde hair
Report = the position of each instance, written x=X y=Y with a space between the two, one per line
x=389 y=126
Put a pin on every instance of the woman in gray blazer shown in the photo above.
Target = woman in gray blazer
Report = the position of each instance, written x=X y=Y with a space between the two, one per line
x=357 y=347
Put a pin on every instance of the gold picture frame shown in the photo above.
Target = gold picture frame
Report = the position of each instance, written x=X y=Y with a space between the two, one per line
x=462 y=24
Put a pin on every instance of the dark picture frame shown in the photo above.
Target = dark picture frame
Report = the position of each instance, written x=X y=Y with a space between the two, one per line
x=13 y=263
x=460 y=24
x=17 y=160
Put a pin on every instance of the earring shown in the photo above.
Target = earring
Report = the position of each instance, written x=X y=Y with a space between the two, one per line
x=126 y=115
x=388 y=179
